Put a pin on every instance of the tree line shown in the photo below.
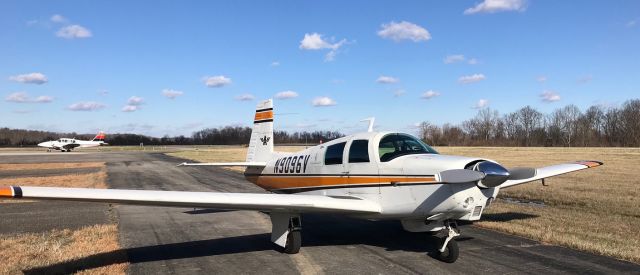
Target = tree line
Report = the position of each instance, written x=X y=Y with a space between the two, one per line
x=566 y=126
x=211 y=136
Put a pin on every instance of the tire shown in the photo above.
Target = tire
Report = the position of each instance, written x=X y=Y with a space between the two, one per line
x=294 y=241
x=450 y=253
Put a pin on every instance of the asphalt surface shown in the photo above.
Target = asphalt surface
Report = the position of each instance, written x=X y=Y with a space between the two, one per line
x=160 y=240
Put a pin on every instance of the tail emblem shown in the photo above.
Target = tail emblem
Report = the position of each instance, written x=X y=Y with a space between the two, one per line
x=265 y=140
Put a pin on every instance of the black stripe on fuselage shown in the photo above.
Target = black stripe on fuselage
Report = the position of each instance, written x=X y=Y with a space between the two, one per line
x=264 y=110
x=262 y=121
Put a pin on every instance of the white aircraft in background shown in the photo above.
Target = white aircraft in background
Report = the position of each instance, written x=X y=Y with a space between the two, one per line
x=370 y=175
x=68 y=144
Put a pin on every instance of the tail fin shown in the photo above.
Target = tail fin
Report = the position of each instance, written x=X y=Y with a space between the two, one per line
x=99 y=137
x=261 y=143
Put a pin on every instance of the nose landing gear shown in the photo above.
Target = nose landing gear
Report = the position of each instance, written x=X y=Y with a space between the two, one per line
x=448 y=251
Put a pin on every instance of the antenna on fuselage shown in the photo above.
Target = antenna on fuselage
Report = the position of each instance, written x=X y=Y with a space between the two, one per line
x=371 y=120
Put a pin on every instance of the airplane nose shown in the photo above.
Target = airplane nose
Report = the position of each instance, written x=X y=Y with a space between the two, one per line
x=41 y=144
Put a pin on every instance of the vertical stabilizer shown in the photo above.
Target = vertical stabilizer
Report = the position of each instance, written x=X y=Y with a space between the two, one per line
x=261 y=143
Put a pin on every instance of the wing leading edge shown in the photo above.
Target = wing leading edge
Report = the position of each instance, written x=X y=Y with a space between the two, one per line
x=554 y=170
x=228 y=201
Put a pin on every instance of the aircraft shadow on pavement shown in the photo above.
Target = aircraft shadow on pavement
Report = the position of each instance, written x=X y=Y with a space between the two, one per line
x=318 y=230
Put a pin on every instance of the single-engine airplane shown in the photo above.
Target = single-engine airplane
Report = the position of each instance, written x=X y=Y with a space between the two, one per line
x=371 y=175
x=68 y=144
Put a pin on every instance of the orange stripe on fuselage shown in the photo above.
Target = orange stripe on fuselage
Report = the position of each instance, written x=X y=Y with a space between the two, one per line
x=264 y=115
x=6 y=192
x=282 y=182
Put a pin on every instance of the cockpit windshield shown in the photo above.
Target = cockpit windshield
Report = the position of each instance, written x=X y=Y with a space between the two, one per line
x=394 y=145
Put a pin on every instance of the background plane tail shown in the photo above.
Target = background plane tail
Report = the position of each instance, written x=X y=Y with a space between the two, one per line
x=261 y=143
x=99 y=137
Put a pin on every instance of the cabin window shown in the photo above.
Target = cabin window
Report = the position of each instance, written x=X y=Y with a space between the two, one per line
x=359 y=151
x=333 y=155
x=395 y=145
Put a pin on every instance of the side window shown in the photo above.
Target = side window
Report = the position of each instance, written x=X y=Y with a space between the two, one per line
x=334 y=153
x=359 y=151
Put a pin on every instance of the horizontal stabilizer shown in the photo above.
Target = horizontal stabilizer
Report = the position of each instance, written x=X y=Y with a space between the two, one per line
x=241 y=164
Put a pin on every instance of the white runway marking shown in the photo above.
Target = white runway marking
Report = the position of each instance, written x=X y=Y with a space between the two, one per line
x=41 y=153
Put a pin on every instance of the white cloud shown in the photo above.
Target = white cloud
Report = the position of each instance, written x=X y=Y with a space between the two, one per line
x=44 y=99
x=135 y=101
x=73 y=31
x=86 y=106
x=56 y=18
x=541 y=79
x=314 y=41
x=429 y=94
x=404 y=31
x=171 y=94
x=482 y=103
x=549 y=96
x=471 y=78
x=19 y=97
x=632 y=23
x=245 y=97
x=23 y=97
x=323 y=102
x=473 y=61
x=286 y=95
x=387 y=79
x=216 y=81
x=491 y=6
x=32 y=78
x=399 y=93
x=454 y=58
x=275 y=63
x=130 y=108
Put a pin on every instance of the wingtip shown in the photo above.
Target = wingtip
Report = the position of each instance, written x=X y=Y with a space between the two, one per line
x=10 y=192
x=590 y=163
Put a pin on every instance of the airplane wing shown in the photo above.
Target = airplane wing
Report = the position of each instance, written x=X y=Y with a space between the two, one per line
x=70 y=145
x=554 y=170
x=228 y=201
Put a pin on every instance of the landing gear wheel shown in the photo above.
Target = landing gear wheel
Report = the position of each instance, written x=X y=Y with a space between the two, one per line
x=294 y=241
x=450 y=253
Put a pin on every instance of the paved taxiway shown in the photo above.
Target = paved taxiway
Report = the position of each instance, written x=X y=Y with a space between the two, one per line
x=185 y=241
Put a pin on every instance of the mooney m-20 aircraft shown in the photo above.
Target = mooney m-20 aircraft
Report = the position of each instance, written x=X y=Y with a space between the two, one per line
x=68 y=144
x=371 y=175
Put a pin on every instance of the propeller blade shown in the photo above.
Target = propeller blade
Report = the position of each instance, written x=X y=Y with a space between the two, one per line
x=460 y=176
x=522 y=173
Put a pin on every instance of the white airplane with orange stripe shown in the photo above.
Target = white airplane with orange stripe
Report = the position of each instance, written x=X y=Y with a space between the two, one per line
x=371 y=175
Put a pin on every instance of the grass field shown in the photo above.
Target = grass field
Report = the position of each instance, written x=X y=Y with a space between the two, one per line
x=595 y=210
x=26 y=251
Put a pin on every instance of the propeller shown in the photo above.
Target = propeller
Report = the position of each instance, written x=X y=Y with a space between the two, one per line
x=496 y=174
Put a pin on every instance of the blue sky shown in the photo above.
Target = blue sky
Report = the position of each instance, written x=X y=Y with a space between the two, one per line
x=172 y=67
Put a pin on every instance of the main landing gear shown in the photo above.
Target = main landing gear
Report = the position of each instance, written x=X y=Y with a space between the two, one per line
x=448 y=251
x=285 y=231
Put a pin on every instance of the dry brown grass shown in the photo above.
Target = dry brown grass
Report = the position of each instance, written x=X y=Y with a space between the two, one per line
x=27 y=251
x=595 y=210
x=33 y=250
x=91 y=180
x=37 y=166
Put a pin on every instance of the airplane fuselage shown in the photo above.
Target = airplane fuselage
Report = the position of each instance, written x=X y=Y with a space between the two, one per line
x=67 y=144
x=406 y=186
